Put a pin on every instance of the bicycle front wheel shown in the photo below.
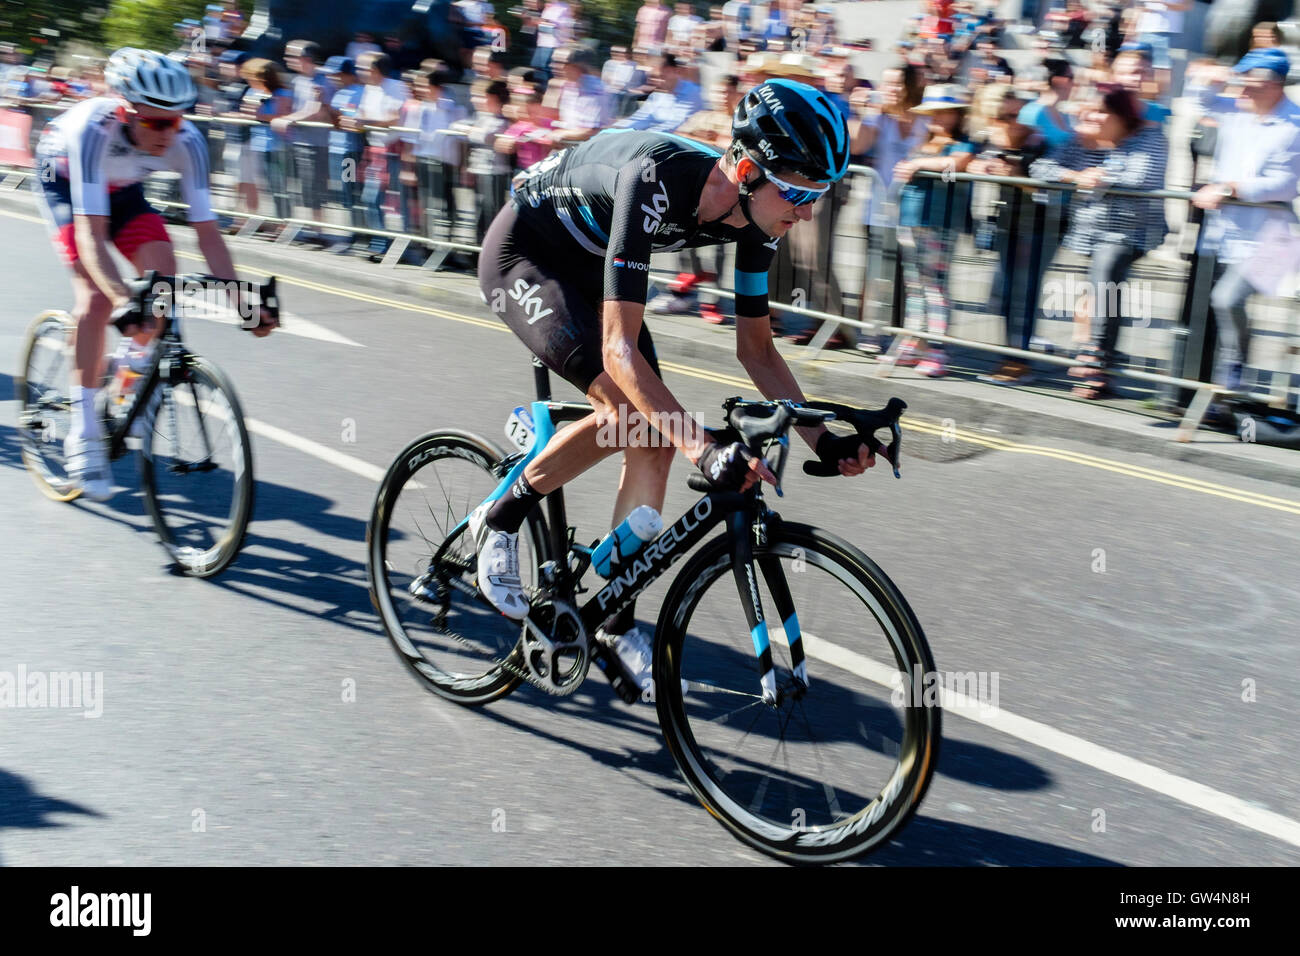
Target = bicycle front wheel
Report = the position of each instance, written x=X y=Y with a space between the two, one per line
x=424 y=571
x=836 y=765
x=196 y=466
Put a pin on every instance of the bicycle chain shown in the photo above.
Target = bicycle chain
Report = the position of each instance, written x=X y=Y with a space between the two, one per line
x=506 y=666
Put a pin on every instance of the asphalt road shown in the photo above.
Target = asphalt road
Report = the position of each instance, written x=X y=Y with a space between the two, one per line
x=1140 y=614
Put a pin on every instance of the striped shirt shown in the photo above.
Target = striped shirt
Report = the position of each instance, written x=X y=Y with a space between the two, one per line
x=88 y=146
x=1099 y=217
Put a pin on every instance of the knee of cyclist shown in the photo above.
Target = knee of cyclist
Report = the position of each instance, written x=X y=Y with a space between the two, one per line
x=657 y=454
x=96 y=307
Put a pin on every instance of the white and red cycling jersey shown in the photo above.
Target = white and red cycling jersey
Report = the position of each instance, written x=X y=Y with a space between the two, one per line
x=87 y=165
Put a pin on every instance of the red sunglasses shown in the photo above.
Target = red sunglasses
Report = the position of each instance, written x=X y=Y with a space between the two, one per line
x=158 y=123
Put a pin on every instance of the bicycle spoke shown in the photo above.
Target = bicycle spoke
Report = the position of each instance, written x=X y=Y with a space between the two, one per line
x=427 y=540
x=745 y=733
x=832 y=800
x=198 y=417
x=731 y=713
x=706 y=686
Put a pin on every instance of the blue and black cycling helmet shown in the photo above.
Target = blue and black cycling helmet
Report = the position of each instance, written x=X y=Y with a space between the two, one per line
x=789 y=126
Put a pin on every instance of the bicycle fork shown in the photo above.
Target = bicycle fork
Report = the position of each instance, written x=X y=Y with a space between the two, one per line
x=742 y=567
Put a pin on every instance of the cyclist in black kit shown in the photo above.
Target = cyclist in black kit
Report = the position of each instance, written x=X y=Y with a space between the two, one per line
x=566 y=266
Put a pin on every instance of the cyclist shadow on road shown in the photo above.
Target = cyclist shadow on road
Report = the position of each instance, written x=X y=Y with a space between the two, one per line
x=22 y=808
x=284 y=572
x=288 y=573
x=926 y=840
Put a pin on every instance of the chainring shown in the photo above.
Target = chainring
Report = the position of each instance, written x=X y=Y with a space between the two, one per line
x=553 y=646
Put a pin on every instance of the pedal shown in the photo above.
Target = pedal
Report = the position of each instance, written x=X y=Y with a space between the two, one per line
x=614 y=671
x=422 y=588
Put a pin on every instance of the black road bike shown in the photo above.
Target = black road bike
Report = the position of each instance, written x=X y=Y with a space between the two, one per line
x=797 y=731
x=196 y=461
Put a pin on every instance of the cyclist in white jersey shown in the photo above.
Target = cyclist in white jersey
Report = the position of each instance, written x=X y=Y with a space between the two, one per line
x=90 y=164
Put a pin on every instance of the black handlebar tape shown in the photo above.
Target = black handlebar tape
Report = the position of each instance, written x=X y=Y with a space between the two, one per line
x=820 y=469
x=828 y=469
x=697 y=482
x=267 y=295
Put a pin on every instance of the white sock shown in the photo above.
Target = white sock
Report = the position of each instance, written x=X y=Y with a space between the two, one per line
x=84 y=420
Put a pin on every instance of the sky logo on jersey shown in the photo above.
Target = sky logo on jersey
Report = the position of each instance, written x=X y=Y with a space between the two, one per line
x=624 y=264
x=529 y=300
x=655 y=216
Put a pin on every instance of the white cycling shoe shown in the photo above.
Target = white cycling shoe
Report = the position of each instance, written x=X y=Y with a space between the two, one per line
x=498 y=566
x=87 y=463
x=634 y=653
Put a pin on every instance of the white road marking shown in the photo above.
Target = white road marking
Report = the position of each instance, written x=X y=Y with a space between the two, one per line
x=316 y=450
x=1076 y=748
x=291 y=323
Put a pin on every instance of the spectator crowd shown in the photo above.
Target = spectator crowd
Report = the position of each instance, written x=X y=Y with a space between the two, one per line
x=1078 y=94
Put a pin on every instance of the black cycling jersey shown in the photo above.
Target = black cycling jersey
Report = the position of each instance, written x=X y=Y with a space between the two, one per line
x=624 y=194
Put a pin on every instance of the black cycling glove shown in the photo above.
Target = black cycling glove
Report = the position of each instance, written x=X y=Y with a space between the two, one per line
x=725 y=467
x=127 y=315
x=832 y=448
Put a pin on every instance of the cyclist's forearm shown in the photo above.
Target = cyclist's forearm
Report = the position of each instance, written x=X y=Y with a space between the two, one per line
x=213 y=248
x=773 y=378
x=95 y=256
x=630 y=371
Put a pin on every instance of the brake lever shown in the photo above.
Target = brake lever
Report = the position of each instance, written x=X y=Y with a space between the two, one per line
x=893 y=451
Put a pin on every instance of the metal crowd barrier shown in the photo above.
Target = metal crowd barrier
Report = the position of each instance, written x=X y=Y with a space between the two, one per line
x=1194 y=307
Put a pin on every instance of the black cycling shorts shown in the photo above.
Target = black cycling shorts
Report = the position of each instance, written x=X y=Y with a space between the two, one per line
x=554 y=309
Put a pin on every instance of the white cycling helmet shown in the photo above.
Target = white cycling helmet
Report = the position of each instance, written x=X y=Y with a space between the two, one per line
x=151 y=79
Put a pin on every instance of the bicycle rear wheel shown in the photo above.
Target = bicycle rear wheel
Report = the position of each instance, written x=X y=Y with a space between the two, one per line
x=833 y=770
x=196 y=466
x=44 y=403
x=423 y=569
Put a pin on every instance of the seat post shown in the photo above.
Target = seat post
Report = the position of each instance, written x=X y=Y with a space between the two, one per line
x=543 y=379
x=555 y=516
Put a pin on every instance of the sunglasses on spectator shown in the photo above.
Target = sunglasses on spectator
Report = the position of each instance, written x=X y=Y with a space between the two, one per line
x=794 y=195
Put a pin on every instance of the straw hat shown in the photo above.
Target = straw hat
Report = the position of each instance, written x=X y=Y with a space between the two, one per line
x=800 y=66
x=943 y=96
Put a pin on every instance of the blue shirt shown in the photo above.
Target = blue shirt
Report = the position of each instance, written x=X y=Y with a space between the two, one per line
x=317 y=88
x=1154 y=112
x=1037 y=115
x=261 y=139
x=345 y=103
x=921 y=204
x=663 y=112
